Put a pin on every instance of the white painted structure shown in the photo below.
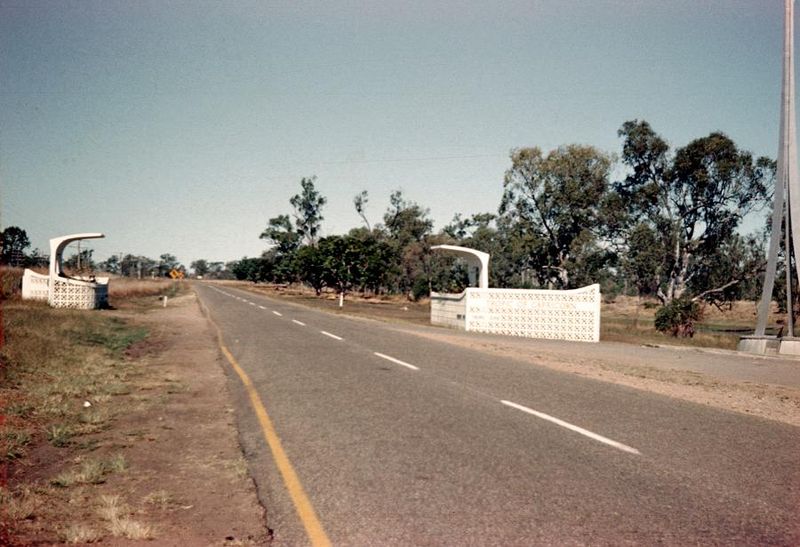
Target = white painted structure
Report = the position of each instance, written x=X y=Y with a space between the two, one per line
x=477 y=263
x=553 y=315
x=61 y=290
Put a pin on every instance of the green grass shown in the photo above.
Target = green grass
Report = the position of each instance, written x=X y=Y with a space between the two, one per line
x=114 y=334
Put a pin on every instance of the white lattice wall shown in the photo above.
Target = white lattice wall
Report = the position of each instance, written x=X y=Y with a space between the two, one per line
x=449 y=310
x=35 y=286
x=82 y=295
x=555 y=315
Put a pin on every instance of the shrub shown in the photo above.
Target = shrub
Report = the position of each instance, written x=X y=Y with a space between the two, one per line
x=678 y=317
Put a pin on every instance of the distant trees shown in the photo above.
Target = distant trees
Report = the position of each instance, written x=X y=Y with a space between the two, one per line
x=81 y=261
x=166 y=263
x=200 y=267
x=14 y=241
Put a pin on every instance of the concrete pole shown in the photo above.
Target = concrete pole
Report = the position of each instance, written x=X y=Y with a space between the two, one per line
x=787 y=180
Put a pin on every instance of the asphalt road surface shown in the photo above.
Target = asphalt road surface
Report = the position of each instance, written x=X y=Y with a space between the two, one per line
x=397 y=439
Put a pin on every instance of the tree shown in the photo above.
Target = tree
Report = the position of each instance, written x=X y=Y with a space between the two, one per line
x=110 y=265
x=340 y=263
x=407 y=225
x=137 y=266
x=216 y=270
x=81 y=261
x=360 y=203
x=200 y=267
x=166 y=264
x=246 y=269
x=689 y=205
x=14 y=241
x=558 y=198
x=282 y=234
x=405 y=220
x=308 y=210
x=311 y=267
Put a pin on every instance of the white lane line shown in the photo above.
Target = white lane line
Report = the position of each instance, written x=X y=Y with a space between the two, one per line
x=279 y=314
x=396 y=361
x=575 y=428
x=252 y=303
x=262 y=308
x=298 y=322
x=331 y=335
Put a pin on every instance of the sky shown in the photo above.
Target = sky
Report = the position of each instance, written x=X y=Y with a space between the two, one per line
x=182 y=127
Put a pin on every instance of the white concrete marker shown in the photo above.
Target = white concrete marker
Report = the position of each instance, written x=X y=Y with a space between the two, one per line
x=298 y=322
x=575 y=428
x=396 y=361
x=331 y=335
x=279 y=314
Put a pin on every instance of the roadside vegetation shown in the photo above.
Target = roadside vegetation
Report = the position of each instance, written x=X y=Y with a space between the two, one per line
x=65 y=377
x=655 y=222
x=652 y=221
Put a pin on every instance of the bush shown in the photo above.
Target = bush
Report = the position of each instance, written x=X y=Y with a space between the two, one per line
x=678 y=317
x=10 y=282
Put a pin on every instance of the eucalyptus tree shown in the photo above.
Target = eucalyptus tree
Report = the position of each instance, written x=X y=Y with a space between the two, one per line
x=407 y=226
x=556 y=201
x=308 y=206
x=684 y=209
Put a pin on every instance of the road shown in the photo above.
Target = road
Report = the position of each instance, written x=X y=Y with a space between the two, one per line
x=397 y=439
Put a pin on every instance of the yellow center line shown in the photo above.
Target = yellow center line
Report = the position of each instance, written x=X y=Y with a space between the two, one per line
x=312 y=524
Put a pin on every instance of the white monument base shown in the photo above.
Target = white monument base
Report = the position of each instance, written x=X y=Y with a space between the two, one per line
x=790 y=346
x=759 y=345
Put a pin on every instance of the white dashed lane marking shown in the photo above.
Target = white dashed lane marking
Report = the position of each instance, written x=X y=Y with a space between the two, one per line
x=571 y=427
x=396 y=361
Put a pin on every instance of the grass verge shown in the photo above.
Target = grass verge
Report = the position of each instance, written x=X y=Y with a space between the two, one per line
x=64 y=377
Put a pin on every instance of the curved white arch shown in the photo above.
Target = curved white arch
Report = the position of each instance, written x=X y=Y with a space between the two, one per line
x=477 y=259
x=57 y=246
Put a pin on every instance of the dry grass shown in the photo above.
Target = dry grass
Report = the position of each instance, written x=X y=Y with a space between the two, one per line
x=22 y=504
x=53 y=362
x=112 y=510
x=160 y=498
x=80 y=533
x=127 y=288
x=630 y=320
x=60 y=375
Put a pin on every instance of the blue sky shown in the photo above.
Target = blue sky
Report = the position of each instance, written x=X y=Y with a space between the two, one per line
x=182 y=127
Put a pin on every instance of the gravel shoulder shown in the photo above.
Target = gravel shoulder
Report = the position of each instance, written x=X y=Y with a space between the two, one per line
x=192 y=450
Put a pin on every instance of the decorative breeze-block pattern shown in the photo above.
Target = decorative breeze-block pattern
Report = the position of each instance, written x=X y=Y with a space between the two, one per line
x=554 y=315
x=69 y=293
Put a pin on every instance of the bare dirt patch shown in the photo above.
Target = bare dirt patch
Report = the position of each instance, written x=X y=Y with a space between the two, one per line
x=164 y=466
